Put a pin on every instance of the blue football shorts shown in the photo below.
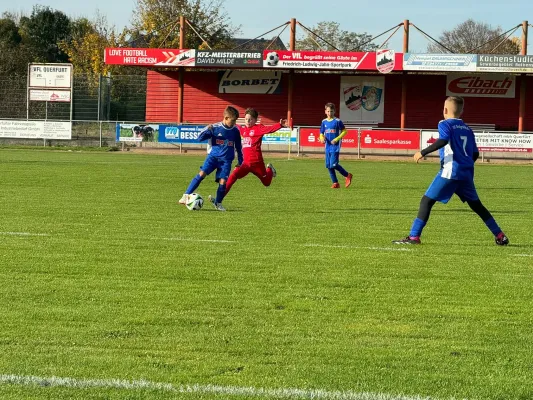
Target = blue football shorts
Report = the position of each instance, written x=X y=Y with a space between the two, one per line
x=222 y=166
x=442 y=189
x=332 y=159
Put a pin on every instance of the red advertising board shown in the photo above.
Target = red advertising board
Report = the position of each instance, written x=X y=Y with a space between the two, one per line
x=150 y=57
x=398 y=140
x=309 y=138
x=370 y=60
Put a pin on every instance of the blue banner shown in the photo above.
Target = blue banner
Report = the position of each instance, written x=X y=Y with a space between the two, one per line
x=180 y=133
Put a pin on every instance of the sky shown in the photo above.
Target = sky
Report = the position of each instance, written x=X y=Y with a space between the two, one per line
x=257 y=17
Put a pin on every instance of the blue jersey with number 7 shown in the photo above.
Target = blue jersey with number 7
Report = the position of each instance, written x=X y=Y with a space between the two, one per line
x=457 y=156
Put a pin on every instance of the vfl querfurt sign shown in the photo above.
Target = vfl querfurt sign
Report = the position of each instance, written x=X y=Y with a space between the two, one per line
x=362 y=99
x=486 y=85
x=257 y=82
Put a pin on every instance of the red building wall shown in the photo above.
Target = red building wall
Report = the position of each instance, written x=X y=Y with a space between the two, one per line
x=425 y=96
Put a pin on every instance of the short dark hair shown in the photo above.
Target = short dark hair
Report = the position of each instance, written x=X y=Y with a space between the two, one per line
x=330 y=105
x=458 y=101
x=231 y=112
x=252 y=112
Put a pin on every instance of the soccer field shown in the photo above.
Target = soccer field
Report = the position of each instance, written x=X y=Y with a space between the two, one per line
x=111 y=290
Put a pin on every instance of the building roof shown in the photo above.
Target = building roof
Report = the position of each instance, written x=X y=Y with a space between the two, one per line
x=258 y=44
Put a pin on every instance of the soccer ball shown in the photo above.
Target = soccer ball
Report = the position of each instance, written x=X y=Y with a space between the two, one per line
x=194 y=202
x=272 y=58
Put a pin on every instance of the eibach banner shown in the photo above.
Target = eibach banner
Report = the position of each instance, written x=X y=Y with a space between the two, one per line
x=150 y=57
x=483 y=85
x=309 y=138
x=382 y=61
x=396 y=140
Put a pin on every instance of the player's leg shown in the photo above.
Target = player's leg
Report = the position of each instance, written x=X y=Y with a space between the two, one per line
x=271 y=170
x=223 y=172
x=348 y=177
x=467 y=193
x=441 y=189
x=208 y=167
x=238 y=173
x=265 y=175
x=331 y=162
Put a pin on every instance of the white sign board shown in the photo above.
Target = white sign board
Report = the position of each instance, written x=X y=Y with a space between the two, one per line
x=50 y=75
x=491 y=141
x=50 y=95
x=35 y=129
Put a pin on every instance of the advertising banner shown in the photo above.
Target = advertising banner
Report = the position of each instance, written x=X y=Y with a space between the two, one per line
x=362 y=99
x=50 y=95
x=180 y=133
x=485 y=85
x=504 y=63
x=150 y=57
x=309 y=138
x=228 y=58
x=35 y=129
x=397 y=140
x=439 y=62
x=137 y=133
x=256 y=82
x=388 y=60
x=502 y=142
x=282 y=137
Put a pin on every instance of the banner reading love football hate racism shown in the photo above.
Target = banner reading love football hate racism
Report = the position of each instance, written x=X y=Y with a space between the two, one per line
x=150 y=57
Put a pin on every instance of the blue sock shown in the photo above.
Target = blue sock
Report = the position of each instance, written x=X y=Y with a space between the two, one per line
x=194 y=184
x=221 y=192
x=333 y=175
x=416 y=228
x=342 y=171
x=493 y=226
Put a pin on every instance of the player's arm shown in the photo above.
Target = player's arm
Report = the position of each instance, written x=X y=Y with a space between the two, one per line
x=341 y=135
x=206 y=133
x=321 y=137
x=265 y=130
x=238 y=148
x=475 y=154
x=438 y=144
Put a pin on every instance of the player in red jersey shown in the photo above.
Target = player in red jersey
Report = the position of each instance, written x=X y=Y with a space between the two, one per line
x=252 y=138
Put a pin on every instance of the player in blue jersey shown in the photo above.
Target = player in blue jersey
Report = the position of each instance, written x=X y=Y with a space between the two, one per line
x=332 y=131
x=458 y=152
x=224 y=139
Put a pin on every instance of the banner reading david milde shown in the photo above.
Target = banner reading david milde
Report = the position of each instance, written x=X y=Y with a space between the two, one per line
x=229 y=58
x=504 y=63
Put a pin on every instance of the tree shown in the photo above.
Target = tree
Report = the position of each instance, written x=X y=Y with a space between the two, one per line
x=157 y=21
x=16 y=57
x=42 y=32
x=477 y=38
x=331 y=32
x=86 y=45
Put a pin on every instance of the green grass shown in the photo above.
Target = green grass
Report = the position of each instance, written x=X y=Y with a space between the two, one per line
x=119 y=282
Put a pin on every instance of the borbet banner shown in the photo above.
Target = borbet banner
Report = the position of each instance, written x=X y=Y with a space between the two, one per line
x=486 y=85
x=362 y=99
x=383 y=60
x=255 y=82
x=396 y=140
x=223 y=58
x=309 y=138
x=150 y=57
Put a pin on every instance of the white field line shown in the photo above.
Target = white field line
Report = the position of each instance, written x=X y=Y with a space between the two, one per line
x=356 y=247
x=523 y=255
x=23 y=234
x=201 y=240
x=286 y=393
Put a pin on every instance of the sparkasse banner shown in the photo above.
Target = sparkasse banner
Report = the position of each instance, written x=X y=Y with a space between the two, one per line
x=309 y=138
x=485 y=85
x=385 y=139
